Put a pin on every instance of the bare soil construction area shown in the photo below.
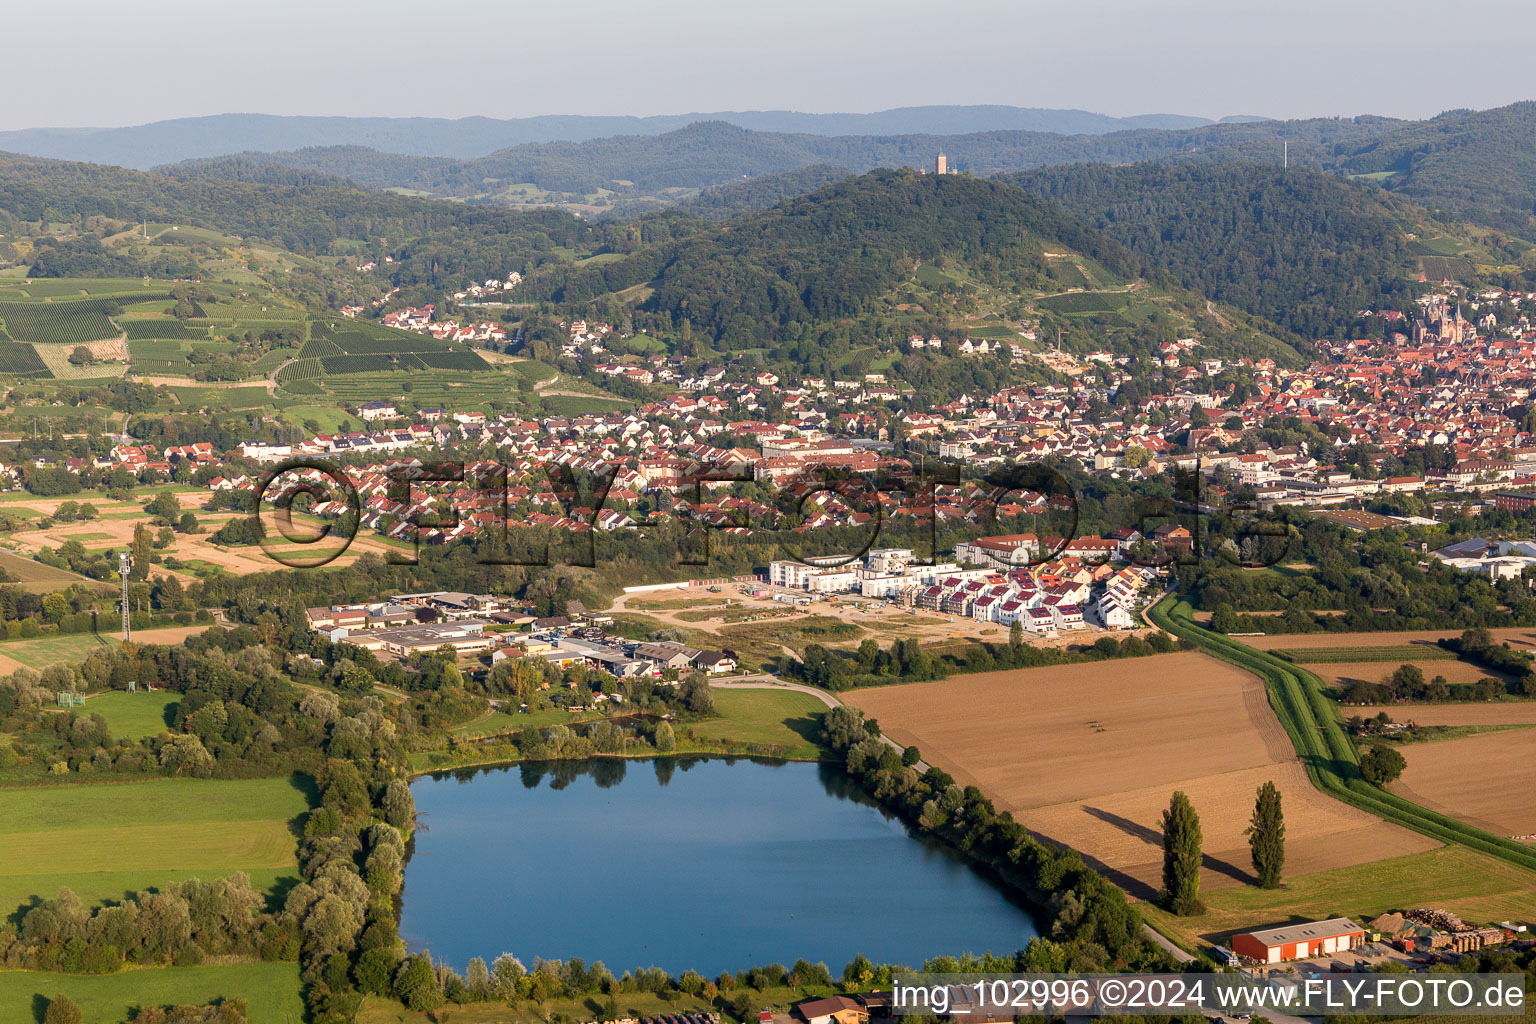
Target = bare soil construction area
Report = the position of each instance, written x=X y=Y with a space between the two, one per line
x=1487 y=780
x=1089 y=755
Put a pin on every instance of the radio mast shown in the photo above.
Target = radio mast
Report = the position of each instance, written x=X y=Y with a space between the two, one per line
x=124 y=563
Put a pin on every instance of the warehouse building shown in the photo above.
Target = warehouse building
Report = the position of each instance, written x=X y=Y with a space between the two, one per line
x=1299 y=941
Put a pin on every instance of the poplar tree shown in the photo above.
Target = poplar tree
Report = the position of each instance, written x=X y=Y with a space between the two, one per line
x=1181 y=857
x=1266 y=836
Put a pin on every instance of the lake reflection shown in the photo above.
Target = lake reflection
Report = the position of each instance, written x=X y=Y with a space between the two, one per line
x=709 y=864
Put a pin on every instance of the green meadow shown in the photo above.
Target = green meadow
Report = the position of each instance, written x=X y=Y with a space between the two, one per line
x=133 y=715
x=271 y=991
x=104 y=840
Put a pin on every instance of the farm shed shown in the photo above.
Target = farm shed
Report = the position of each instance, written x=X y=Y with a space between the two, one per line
x=1299 y=941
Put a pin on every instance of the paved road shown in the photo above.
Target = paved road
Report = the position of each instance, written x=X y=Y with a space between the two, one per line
x=764 y=681
x=1173 y=950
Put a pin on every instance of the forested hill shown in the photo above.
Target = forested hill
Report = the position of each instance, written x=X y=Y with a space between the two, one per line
x=1478 y=163
x=723 y=201
x=1302 y=248
x=434 y=243
x=806 y=279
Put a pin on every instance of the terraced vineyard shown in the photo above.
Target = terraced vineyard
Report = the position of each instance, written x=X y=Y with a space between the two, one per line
x=21 y=360
x=455 y=389
x=59 y=323
x=1084 y=302
x=336 y=349
x=143 y=330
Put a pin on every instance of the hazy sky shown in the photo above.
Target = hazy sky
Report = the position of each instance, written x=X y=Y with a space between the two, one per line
x=106 y=62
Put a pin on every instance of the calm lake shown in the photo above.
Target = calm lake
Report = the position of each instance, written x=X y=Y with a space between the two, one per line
x=708 y=864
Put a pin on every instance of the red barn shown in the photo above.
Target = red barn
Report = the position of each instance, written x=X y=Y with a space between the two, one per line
x=1299 y=941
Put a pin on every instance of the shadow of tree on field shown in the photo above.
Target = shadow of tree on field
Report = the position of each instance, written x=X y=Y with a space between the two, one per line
x=1152 y=837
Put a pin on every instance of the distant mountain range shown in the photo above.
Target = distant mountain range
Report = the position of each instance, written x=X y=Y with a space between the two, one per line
x=163 y=142
x=1469 y=164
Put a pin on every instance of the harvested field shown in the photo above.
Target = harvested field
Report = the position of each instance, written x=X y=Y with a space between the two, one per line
x=1343 y=673
x=1503 y=713
x=1518 y=636
x=1487 y=780
x=1088 y=756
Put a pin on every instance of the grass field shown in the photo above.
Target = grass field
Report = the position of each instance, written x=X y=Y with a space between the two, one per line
x=501 y=722
x=52 y=650
x=133 y=715
x=1089 y=755
x=631 y=1004
x=784 y=718
x=571 y=405
x=114 y=838
x=73 y=647
x=780 y=718
x=330 y=418
x=271 y=989
x=1478 y=887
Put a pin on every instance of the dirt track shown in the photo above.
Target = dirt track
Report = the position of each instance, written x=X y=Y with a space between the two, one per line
x=1088 y=756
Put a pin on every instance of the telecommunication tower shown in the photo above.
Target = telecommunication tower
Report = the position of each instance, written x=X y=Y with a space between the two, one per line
x=124 y=564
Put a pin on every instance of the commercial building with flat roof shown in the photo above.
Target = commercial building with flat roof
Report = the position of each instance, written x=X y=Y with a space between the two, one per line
x=1299 y=941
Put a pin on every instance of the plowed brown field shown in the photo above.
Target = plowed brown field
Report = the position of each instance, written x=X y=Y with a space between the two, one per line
x=1487 y=779
x=1505 y=713
x=1518 y=636
x=1342 y=673
x=1088 y=756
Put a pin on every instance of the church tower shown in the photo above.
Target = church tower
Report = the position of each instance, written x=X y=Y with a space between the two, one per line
x=943 y=164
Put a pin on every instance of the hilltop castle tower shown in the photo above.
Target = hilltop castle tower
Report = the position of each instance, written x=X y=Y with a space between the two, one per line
x=942 y=164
